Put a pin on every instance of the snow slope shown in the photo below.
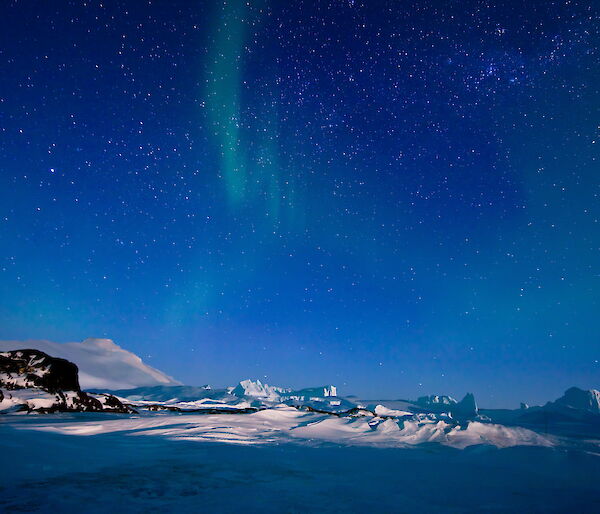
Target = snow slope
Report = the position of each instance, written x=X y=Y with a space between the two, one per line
x=284 y=424
x=102 y=364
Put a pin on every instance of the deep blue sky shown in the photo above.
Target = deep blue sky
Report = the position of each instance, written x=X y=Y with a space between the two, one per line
x=400 y=198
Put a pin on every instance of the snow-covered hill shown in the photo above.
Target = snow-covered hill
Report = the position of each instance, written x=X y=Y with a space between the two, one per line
x=33 y=381
x=102 y=364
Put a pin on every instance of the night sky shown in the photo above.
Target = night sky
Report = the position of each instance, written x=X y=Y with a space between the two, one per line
x=399 y=198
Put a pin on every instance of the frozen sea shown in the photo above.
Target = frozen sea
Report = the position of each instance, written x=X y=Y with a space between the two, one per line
x=97 y=463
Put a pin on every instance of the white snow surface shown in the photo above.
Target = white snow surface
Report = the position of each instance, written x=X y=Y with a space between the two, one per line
x=284 y=424
x=383 y=411
x=30 y=398
x=102 y=363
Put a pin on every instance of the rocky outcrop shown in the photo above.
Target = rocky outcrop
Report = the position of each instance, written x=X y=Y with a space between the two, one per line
x=34 y=381
x=32 y=368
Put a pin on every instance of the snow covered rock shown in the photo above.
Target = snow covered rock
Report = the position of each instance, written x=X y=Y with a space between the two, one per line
x=102 y=364
x=38 y=400
x=35 y=381
x=32 y=368
x=580 y=399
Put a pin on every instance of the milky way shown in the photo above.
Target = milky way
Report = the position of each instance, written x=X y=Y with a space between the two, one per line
x=400 y=198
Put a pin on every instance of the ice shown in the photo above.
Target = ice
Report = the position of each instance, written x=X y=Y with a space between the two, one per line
x=106 y=463
x=257 y=389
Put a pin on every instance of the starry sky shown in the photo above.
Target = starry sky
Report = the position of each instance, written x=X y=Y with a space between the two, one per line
x=397 y=197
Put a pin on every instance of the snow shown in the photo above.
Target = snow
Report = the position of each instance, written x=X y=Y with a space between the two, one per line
x=34 y=399
x=282 y=459
x=283 y=424
x=136 y=465
x=497 y=435
x=30 y=398
x=102 y=364
x=13 y=380
x=383 y=411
